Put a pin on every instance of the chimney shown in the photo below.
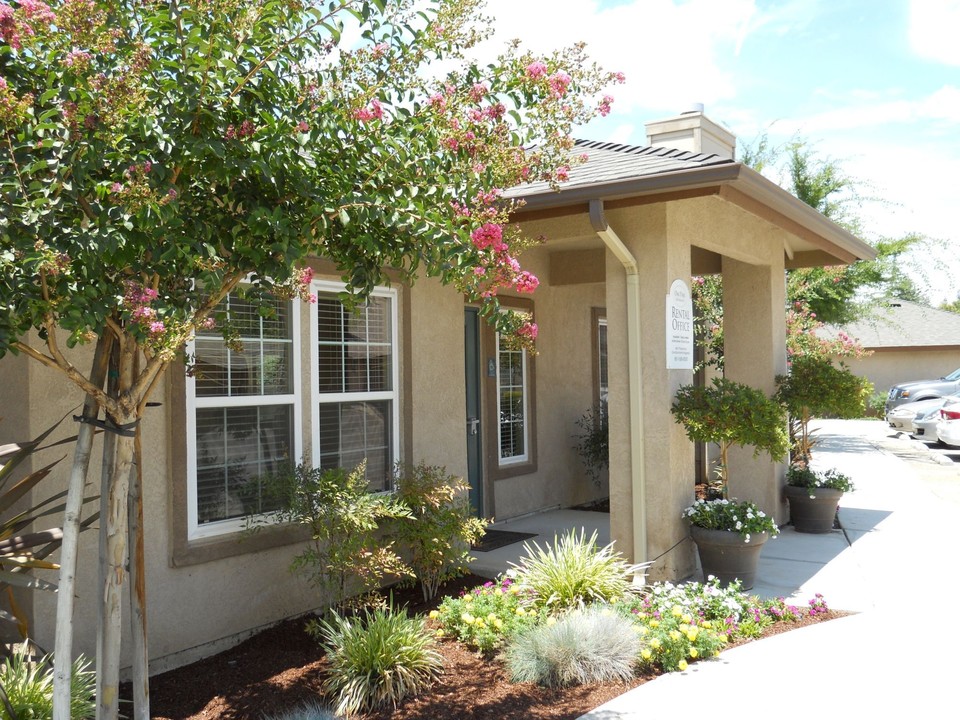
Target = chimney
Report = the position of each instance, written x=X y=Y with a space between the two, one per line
x=694 y=132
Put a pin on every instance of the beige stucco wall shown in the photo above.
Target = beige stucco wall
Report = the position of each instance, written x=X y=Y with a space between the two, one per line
x=888 y=367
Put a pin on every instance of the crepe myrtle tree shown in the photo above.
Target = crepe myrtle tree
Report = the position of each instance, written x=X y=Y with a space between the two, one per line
x=156 y=156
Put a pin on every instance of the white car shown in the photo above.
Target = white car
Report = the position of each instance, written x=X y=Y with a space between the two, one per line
x=924 y=424
x=948 y=429
x=902 y=416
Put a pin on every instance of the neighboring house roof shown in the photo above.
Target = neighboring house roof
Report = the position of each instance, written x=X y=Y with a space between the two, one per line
x=617 y=172
x=902 y=324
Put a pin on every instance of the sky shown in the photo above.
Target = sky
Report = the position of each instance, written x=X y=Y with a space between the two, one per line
x=871 y=84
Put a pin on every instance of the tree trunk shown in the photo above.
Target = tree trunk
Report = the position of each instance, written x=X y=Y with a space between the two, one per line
x=113 y=556
x=63 y=649
x=138 y=592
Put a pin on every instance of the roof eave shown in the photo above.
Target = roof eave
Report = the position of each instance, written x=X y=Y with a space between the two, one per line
x=735 y=175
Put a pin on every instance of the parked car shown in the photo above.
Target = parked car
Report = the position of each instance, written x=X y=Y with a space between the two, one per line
x=924 y=424
x=922 y=390
x=900 y=417
x=948 y=429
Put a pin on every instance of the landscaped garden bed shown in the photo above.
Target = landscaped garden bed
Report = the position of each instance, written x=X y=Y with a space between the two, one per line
x=283 y=667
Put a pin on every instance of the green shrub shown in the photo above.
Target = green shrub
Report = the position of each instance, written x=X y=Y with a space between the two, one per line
x=572 y=572
x=29 y=687
x=593 y=442
x=307 y=711
x=483 y=618
x=730 y=413
x=377 y=659
x=815 y=388
x=440 y=526
x=346 y=553
x=583 y=646
x=877 y=405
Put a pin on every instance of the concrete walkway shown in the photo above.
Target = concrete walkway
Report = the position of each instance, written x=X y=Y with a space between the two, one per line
x=892 y=564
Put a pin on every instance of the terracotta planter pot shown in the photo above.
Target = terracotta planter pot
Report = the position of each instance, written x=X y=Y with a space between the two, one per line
x=812 y=514
x=726 y=556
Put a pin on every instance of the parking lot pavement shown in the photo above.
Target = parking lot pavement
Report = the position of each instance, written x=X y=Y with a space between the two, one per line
x=936 y=466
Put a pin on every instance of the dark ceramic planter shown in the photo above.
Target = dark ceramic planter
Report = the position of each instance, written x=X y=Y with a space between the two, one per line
x=812 y=514
x=726 y=556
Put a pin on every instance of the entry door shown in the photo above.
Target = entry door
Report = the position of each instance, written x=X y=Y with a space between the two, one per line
x=471 y=337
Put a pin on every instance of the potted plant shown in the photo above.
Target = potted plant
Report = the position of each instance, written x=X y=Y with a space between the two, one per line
x=729 y=534
x=593 y=442
x=814 y=496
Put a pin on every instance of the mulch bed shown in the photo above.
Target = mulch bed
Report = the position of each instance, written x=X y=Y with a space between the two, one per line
x=282 y=667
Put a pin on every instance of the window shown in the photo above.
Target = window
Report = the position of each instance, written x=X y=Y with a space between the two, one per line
x=355 y=380
x=512 y=404
x=242 y=415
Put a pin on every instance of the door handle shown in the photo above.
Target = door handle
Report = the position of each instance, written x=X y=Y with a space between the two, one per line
x=472 y=425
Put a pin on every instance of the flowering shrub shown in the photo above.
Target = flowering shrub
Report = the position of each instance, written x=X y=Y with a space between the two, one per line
x=743 y=517
x=801 y=475
x=484 y=617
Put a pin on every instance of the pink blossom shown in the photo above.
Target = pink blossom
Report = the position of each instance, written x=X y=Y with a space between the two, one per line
x=116 y=187
x=78 y=59
x=605 y=105
x=526 y=282
x=536 y=70
x=478 y=92
x=488 y=235
x=529 y=330
x=559 y=82
x=452 y=143
x=380 y=49
x=208 y=323
x=438 y=101
x=374 y=111
x=230 y=134
x=147 y=166
x=246 y=129
x=157 y=327
x=619 y=77
x=562 y=173
x=303 y=126
x=479 y=271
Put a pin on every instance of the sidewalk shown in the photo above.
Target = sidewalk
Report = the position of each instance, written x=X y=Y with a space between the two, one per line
x=892 y=563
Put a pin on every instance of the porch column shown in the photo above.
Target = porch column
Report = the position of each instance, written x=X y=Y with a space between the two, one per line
x=668 y=461
x=754 y=332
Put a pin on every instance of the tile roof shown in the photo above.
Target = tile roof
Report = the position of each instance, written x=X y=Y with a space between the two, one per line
x=611 y=162
x=903 y=324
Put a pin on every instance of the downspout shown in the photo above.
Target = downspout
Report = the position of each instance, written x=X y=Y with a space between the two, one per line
x=634 y=374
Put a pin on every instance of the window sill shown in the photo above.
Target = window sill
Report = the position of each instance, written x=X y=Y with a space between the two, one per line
x=196 y=552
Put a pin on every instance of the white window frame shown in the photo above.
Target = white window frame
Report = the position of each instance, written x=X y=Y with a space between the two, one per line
x=525 y=368
x=316 y=397
x=195 y=529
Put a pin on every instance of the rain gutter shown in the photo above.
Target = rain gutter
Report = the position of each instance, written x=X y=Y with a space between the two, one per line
x=634 y=374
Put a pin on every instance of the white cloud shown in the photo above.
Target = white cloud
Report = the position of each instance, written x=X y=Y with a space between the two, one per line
x=670 y=52
x=933 y=30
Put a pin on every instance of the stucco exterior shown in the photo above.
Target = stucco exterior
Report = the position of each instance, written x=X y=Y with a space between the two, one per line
x=615 y=245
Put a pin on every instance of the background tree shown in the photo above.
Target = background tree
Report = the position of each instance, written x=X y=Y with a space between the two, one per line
x=156 y=157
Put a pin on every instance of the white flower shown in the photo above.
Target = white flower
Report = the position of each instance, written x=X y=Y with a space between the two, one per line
x=746 y=538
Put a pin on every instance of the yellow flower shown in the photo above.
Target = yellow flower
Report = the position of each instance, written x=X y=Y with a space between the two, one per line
x=694 y=652
x=514 y=589
x=687 y=618
x=434 y=614
x=677 y=611
x=655 y=644
x=605 y=613
x=521 y=612
x=682 y=665
x=654 y=623
x=683 y=627
x=498 y=623
x=674 y=635
x=692 y=634
x=551 y=620
x=439 y=633
x=646 y=654
x=498 y=591
x=467 y=618
x=491 y=617
x=723 y=638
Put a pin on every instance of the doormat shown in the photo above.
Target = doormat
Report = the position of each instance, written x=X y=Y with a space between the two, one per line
x=494 y=539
